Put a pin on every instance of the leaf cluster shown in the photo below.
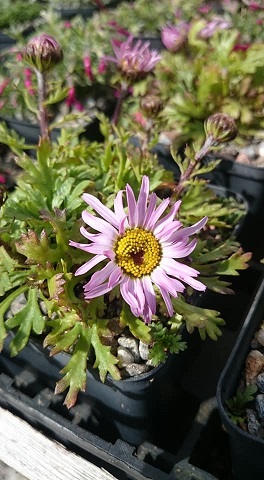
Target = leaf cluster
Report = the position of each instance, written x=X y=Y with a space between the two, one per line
x=239 y=402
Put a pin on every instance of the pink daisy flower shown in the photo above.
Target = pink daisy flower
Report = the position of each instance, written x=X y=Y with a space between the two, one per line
x=142 y=249
x=134 y=59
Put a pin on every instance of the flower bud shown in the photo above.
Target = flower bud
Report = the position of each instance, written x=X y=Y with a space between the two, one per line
x=43 y=53
x=220 y=127
x=174 y=37
x=151 y=105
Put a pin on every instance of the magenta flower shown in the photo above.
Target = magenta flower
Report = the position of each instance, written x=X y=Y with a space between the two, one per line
x=175 y=36
x=141 y=248
x=88 y=67
x=134 y=59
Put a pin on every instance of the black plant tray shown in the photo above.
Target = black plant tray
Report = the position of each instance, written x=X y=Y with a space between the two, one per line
x=193 y=446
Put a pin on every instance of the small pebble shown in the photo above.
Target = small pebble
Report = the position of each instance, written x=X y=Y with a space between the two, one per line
x=260 y=336
x=136 y=369
x=260 y=382
x=143 y=350
x=130 y=344
x=18 y=304
x=253 y=423
x=260 y=405
x=124 y=356
x=254 y=366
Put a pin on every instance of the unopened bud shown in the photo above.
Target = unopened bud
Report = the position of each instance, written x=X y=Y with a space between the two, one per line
x=151 y=105
x=220 y=128
x=43 y=53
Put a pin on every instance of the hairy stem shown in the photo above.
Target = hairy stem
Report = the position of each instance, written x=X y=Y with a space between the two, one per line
x=43 y=114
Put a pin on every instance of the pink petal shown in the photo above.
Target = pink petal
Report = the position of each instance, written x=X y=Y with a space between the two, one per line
x=142 y=200
x=90 y=264
x=172 y=285
x=125 y=289
x=172 y=267
x=100 y=276
x=167 y=219
x=187 y=231
x=99 y=224
x=167 y=300
x=118 y=206
x=150 y=209
x=177 y=250
x=166 y=231
x=149 y=293
x=132 y=207
x=105 y=212
x=96 y=292
x=115 y=277
x=158 y=212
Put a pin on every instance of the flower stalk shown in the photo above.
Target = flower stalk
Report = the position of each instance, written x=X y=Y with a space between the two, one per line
x=42 y=109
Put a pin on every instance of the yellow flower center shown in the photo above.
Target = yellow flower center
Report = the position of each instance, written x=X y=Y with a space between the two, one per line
x=137 y=252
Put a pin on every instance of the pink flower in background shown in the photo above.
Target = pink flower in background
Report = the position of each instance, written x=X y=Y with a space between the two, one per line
x=2 y=178
x=88 y=67
x=175 y=36
x=134 y=58
x=71 y=100
x=138 y=117
x=101 y=67
x=213 y=26
x=253 y=6
x=28 y=81
x=141 y=248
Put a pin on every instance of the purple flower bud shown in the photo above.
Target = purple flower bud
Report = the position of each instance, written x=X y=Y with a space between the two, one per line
x=220 y=127
x=43 y=52
x=175 y=36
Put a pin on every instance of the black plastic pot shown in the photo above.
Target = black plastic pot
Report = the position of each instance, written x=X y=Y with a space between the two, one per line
x=244 y=179
x=27 y=384
x=6 y=42
x=249 y=182
x=118 y=409
x=246 y=450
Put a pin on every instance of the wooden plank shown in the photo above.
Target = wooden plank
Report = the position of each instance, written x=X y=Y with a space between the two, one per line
x=35 y=456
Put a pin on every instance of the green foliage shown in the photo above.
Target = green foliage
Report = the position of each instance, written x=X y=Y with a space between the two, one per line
x=14 y=13
x=213 y=77
x=207 y=321
x=29 y=319
x=75 y=371
x=239 y=402
x=165 y=341
x=138 y=328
